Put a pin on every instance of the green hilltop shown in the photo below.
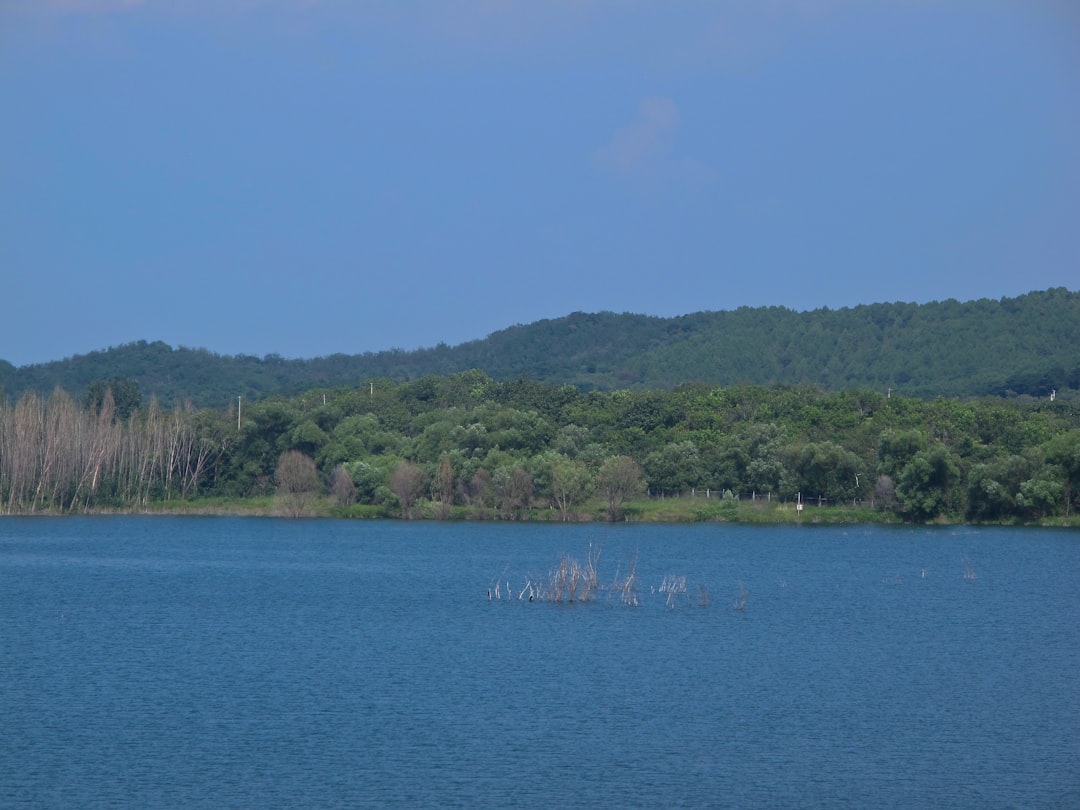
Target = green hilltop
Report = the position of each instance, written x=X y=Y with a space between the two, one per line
x=1028 y=345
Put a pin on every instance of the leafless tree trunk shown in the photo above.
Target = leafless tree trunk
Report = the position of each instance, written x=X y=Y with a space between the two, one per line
x=22 y=457
x=58 y=465
x=192 y=452
x=514 y=489
x=102 y=451
x=151 y=451
x=297 y=482
x=620 y=478
x=407 y=481
x=444 y=486
x=342 y=486
x=58 y=455
x=480 y=490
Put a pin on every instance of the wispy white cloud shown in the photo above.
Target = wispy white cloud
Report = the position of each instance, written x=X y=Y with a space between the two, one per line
x=642 y=150
x=646 y=140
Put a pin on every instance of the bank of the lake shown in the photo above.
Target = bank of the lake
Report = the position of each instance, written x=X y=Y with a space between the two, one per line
x=670 y=510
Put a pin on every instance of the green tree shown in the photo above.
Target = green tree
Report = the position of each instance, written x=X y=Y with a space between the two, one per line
x=1063 y=452
x=248 y=466
x=994 y=489
x=126 y=396
x=896 y=448
x=826 y=469
x=762 y=459
x=927 y=484
x=571 y=482
x=514 y=489
x=571 y=440
x=371 y=477
x=675 y=468
x=1041 y=494
x=308 y=437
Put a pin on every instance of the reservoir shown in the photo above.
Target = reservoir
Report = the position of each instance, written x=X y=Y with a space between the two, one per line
x=234 y=662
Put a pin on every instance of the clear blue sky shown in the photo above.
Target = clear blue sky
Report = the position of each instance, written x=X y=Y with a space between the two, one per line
x=305 y=177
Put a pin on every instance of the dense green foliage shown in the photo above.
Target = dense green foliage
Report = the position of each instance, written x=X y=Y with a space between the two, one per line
x=469 y=445
x=1028 y=345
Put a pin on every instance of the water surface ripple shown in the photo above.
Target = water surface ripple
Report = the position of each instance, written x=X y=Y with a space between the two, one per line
x=221 y=662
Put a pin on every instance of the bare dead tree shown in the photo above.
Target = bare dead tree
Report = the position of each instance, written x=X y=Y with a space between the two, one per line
x=297 y=482
x=194 y=452
x=884 y=491
x=675 y=587
x=629 y=586
x=27 y=437
x=444 y=486
x=59 y=455
x=740 y=599
x=626 y=586
x=100 y=443
x=563 y=580
x=514 y=488
x=590 y=574
x=407 y=481
x=58 y=466
x=480 y=491
x=174 y=442
x=341 y=486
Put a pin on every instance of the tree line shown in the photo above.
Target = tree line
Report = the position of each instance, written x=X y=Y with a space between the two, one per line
x=466 y=445
x=1026 y=345
x=60 y=455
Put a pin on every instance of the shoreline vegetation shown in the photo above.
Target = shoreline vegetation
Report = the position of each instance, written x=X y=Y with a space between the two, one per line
x=668 y=510
x=467 y=447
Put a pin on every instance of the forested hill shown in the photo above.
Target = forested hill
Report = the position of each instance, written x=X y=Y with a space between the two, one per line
x=1027 y=345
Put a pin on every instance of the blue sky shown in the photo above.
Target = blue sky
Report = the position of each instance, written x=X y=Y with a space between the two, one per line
x=305 y=177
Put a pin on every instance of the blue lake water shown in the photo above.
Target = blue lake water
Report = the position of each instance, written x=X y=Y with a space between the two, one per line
x=221 y=662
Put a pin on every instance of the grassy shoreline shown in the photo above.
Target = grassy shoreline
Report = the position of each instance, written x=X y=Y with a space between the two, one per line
x=653 y=510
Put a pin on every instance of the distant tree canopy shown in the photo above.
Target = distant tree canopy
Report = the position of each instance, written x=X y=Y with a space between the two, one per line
x=1029 y=346
x=490 y=448
x=125 y=394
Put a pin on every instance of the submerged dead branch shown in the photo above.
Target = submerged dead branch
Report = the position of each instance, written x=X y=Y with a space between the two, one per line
x=674 y=587
x=740 y=599
x=571 y=581
x=969 y=569
x=626 y=587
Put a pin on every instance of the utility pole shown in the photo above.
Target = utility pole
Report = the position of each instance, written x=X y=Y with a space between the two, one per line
x=238 y=414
